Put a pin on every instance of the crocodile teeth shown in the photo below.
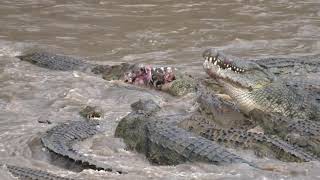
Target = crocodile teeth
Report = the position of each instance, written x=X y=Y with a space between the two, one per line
x=222 y=64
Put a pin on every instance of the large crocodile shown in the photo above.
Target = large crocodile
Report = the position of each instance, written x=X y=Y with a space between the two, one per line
x=255 y=87
x=221 y=121
x=164 y=143
x=273 y=97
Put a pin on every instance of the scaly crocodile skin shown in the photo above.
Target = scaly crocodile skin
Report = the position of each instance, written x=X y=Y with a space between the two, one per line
x=61 y=138
x=24 y=173
x=253 y=86
x=236 y=138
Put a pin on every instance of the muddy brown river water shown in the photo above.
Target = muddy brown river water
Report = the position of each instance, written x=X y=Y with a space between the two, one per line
x=151 y=32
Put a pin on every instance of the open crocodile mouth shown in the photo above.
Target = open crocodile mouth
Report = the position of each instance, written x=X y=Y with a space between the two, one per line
x=223 y=69
x=221 y=62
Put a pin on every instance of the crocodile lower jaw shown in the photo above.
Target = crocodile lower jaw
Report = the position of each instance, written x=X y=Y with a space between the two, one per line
x=213 y=72
x=240 y=95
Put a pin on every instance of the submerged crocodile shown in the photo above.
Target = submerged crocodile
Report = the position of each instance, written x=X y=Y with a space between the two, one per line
x=61 y=139
x=162 y=78
x=163 y=141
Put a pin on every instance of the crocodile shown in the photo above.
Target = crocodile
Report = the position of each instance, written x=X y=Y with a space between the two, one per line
x=300 y=132
x=226 y=124
x=61 y=138
x=279 y=106
x=263 y=145
x=164 y=143
x=161 y=78
x=254 y=87
x=24 y=173
x=291 y=66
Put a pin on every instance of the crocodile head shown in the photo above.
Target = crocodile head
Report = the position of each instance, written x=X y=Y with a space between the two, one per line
x=238 y=77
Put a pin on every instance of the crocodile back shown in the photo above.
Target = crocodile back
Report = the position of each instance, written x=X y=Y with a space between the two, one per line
x=54 y=61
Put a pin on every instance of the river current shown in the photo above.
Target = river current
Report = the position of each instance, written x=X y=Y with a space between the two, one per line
x=163 y=32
